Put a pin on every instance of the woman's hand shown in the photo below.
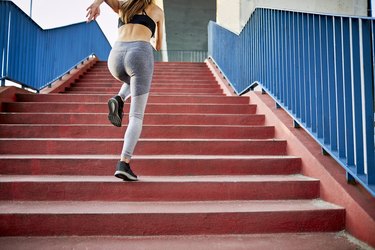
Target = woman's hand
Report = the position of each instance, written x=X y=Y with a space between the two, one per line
x=93 y=11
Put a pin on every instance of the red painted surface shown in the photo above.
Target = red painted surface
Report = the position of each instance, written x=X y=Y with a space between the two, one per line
x=150 y=119
x=288 y=241
x=151 y=108
x=148 y=131
x=166 y=165
x=144 y=146
x=8 y=94
x=206 y=161
x=359 y=205
x=105 y=218
x=158 y=188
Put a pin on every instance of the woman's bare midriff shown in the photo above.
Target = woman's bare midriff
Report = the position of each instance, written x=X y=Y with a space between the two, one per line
x=133 y=32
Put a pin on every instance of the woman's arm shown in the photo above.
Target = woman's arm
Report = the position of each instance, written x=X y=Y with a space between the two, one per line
x=93 y=11
x=160 y=31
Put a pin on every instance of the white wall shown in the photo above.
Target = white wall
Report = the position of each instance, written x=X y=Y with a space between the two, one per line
x=233 y=14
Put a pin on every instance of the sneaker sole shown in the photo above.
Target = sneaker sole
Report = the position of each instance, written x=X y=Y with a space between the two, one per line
x=113 y=116
x=125 y=176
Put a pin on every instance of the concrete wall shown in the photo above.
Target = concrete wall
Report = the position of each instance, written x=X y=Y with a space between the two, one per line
x=234 y=14
x=186 y=23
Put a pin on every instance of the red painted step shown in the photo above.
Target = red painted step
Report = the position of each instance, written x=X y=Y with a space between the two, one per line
x=152 y=98
x=207 y=164
x=149 y=119
x=168 y=218
x=157 y=85
x=159 y=77
x=161 y=188
x=153 y=89
x=282 y=241
x=164 y=165
x=144 y=146
x=148 y=131
x=151 y=108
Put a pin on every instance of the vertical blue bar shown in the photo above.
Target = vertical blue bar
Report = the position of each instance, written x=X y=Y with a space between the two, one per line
x=271 y=80
x=325 y=80
x=291 y=70
x=367 y=102
x=275 y=55
x=332 y=139
x=296 y=60
x=313 y=64
x=318 y=81
x=283 y=86
x=339 y=81
x=268 y=81
x=310 y=88
x=347 y=76
x=284 y=49
x=305 y=62
x=356 y=95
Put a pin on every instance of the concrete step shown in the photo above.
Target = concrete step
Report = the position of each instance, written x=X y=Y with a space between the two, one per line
x=149 y=119
x=168 y=218
x=154 y=85
x=114 y=90
x=79 y=107
x=158 y=188
x=144 y=146
x=153 y=98
x=162 y=77
x=148 y=131
x=154 y=93
x=280 y=241
x=161 y=165
x=109 y=79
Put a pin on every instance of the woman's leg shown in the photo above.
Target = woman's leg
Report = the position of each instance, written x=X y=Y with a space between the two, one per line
x=116 y=65
x=124 y=92
x=134 y=129
x=139 y=66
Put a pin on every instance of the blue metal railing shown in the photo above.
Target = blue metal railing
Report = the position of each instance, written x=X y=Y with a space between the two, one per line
x=35 y=57
x=319 y=68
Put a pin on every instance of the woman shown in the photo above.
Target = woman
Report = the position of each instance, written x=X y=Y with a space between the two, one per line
x=131 y=61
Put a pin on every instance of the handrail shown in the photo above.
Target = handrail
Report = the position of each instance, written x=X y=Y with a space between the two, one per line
x=35 y=57
x=319 y=68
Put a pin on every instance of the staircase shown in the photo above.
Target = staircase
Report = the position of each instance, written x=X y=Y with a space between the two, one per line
x=207 y=166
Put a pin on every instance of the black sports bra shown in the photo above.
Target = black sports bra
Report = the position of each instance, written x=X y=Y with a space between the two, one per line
x=142 y=19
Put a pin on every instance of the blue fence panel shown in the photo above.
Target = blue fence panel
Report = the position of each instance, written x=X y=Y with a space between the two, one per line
x=35 y=57
x=319 y=68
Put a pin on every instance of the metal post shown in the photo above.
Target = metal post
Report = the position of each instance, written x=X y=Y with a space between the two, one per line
x=31 y=8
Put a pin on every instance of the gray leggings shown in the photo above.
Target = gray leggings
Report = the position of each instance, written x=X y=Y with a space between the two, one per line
x=133 y=64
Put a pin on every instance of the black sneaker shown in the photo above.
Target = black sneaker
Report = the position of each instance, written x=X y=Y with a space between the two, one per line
x=124 y=172
x=115 y=106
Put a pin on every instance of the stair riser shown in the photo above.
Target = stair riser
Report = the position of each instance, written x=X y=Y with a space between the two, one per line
x=151 y=99
x=149 y=119
x=152 y=167
x=151 y=108
x=153 y=90
x=144 y=147
x=171 y=224
x=155 y=93
x=162 y=77
x=195 y=82
x=201 y=132
x=154 y=85
x=158 y=74
x=157 y=191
